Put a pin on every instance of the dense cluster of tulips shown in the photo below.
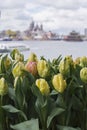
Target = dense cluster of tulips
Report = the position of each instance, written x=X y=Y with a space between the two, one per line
x=41 y=94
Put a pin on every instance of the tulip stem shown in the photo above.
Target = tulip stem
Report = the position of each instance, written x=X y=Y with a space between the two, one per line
x=85 y=108
x=1 y=114
x=1 y=100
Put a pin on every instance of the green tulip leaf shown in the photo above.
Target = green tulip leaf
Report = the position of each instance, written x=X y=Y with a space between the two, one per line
x=54 y=92
x=29 y=76
x=77 y=103
x=10 y=108
x=20 y=97
x=11 y=93
x=67 y=128
x=55 y=112
x=27 y=125
x=38 y=94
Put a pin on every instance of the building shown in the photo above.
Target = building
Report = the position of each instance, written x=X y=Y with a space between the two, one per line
x=73 y=36
x=35 y=31
x=85 y=31
x=31 y=27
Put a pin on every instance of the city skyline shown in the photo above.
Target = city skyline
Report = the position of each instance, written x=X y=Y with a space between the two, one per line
x=61 y=16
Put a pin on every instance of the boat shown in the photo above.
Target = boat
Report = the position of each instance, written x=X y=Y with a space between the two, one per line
x=73 y=36
x=1 y=39
x=20 y=47
x=8 y=48
x=7 y=39
x=55 y=38
x=4 y=49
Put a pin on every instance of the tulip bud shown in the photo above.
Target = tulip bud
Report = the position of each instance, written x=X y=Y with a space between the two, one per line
x=83 y=61
x=19 y=57
x=43 y=86
x=66 y=65
x=59 y=83
x=83 y=74
x=77 y=61
x=32 y=68
x=14 y=51
x=32 y=57
x=7 y=62
x=69 y=59
x=43 y=69
x=3 y=87
x=17 y=70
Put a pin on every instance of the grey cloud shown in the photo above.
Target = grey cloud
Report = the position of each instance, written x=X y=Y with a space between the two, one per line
x=55 y=14
x=48 y=20
x=23 y=17
x=59 y=4
x=10 y=4
x=64 y=4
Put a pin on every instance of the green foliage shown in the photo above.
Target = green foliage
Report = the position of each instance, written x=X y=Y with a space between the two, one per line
x=66 y=128
x=27 y=125
x=24 y=107
x=56 y=111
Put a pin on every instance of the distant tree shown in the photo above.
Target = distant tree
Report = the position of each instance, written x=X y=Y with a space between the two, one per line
x=11 y=33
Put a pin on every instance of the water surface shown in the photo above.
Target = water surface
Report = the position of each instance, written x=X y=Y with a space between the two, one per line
x=52 y=49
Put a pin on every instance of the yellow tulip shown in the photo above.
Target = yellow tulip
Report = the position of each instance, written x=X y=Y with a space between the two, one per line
x=32 y=57
x=43 y=86
x=66 y=65
x=3 y=87
x=59 y=83
x=19 y=57
x=83 y=61
x=83 y=74
x=17 y=70
x=43 y=69
x=14 y=51
x=77 y=61
x=7 y=62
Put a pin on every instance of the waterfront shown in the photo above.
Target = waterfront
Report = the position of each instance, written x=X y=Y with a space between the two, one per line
x=52 y=49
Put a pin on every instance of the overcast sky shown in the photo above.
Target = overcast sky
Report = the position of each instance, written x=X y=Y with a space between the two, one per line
x=56 y=15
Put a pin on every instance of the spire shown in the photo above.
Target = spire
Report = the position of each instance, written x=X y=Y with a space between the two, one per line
x=31 y=26
x=41 y=27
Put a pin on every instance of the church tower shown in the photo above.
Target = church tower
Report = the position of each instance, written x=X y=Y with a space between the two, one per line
x=31 y=26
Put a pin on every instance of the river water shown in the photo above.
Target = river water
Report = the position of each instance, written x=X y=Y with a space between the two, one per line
x=52 y=49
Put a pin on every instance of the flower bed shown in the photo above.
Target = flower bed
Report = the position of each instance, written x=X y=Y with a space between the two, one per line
x=40 y=94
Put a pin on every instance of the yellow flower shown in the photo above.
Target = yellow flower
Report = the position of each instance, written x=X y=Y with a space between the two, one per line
x=59 y=83
x=66 y=65
x=83 y=74
x=43 y=69
x=17 y=70
x=19 y=57
x=43 y=86
x=14 y=51
x=69 y=59
x=77 y=61
x=32 y=57
x=3 y=87
x=83 y=61
x=7 y=62
x=31 y=67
